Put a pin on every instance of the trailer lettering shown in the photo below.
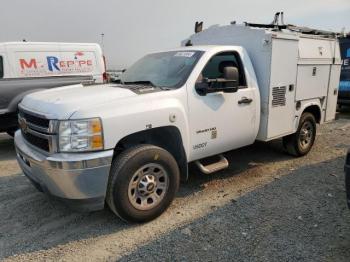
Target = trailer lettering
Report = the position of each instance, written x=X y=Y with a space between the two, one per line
x=52 y=62
x=32 y=63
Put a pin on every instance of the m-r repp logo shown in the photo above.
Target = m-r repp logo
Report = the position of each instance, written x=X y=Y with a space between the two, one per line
x=51 y=64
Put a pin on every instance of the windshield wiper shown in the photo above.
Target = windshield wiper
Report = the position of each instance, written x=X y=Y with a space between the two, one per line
x=146 y=82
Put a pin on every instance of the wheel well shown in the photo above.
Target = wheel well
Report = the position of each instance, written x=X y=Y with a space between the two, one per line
x=168 y=137
x=315 y=110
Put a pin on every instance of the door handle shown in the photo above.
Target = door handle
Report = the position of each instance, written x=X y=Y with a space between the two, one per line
x=245 y=100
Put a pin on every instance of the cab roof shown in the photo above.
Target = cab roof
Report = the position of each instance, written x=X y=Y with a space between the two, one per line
x=204 y=48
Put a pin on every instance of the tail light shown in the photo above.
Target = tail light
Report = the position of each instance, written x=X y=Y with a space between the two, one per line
x=104 y=75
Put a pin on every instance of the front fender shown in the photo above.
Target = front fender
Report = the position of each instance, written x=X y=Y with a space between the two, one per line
x=136 y=115
x=120 y=126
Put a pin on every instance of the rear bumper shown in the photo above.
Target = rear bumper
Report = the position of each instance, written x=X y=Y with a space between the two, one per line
x=80 y=180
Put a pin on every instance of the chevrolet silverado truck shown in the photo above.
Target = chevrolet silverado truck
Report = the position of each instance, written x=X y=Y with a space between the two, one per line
x=128 y=145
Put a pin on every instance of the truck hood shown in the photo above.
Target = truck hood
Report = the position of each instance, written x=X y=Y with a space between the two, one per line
x=61 y=103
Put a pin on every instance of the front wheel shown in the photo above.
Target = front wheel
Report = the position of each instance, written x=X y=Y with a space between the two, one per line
x=143 y=182
x=301 y=142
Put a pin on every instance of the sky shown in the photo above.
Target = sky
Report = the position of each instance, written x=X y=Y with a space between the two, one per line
x=132 y=28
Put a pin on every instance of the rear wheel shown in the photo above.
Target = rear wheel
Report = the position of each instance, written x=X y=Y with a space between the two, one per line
x=301 y=142
x=143 y=183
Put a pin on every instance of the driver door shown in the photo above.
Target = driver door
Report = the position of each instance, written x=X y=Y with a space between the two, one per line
x=221 y=121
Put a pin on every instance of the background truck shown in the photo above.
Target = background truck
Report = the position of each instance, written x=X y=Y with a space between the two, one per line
x=347 y=178
x=129 y=144
x=27 y=67
x=344 y=87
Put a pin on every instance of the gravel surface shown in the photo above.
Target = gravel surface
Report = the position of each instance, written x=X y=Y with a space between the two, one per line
x=300 y=217
x=267 y=206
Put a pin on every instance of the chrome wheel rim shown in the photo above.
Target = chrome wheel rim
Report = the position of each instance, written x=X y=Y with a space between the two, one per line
x=148 y=186
x=306 y=135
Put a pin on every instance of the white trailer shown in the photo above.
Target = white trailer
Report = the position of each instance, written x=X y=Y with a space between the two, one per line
x=27 y=67
x=50 y=59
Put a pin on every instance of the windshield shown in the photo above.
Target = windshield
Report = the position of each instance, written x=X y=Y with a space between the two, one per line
x=166 y=69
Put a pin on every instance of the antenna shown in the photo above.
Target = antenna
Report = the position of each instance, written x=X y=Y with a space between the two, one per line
x=102 y=42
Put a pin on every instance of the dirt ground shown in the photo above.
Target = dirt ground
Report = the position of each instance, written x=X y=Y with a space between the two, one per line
x=267 y=206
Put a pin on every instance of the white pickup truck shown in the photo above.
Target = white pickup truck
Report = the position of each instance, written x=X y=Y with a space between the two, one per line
x=129 y=144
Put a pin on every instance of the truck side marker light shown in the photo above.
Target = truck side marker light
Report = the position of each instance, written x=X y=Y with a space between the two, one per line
x=96 y=142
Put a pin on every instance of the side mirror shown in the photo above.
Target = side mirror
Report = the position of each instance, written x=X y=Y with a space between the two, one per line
x=231 y=76
x=228 y=84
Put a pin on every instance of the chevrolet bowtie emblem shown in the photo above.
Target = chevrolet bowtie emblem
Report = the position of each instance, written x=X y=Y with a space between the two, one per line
x=23 y=124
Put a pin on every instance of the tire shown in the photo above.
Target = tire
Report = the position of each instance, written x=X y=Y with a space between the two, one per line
x=300 y=143
x=156 y=179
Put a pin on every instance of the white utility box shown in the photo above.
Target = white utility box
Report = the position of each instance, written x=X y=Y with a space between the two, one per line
x=290 y=68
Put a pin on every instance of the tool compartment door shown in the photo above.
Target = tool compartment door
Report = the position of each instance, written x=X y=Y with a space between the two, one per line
x=332 y=97
x=284 y=59
x=333 y=87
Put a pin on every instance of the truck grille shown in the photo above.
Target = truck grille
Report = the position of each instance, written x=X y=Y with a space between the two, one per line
x=39 y=142
x=35 y=120
x=36 y=130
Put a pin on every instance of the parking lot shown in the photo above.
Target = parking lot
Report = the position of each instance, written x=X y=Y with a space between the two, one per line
x=267 y=206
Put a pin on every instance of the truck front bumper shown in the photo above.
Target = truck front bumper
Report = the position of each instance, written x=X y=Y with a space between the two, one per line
x=78 y=179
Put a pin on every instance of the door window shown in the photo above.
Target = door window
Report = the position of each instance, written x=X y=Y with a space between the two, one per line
x=1 y=68
x=215 y=67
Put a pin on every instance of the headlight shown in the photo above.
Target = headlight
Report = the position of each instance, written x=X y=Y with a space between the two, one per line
x=80 y=135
